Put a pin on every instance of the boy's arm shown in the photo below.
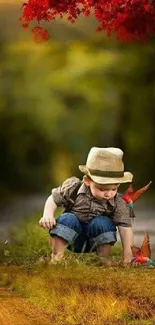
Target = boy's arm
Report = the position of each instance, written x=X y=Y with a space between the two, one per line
x=48 y=220
x=126 y=235
x=61 y=196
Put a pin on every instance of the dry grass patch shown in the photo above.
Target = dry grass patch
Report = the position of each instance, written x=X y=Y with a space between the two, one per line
x=80 y=291
x=78 y=295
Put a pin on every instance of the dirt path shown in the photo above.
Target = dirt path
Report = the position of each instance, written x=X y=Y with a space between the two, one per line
x=15 y=310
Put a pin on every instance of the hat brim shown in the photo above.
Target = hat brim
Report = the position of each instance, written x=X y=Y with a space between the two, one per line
x=127 y=178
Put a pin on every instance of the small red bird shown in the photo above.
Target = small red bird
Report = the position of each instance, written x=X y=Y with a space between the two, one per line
x=143 y=255
x=131 y=196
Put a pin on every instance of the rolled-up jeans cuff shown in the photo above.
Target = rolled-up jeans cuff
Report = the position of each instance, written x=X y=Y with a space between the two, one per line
x=64 y=232
x=104 y=238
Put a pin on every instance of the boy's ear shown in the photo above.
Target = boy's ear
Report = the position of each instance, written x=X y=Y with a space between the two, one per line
x=86 y=180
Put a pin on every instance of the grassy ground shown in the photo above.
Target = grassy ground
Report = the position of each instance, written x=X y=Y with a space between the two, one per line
x=80 y=291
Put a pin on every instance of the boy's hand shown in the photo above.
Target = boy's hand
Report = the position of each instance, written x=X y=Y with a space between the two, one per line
x=127 y=259
x=47 y=222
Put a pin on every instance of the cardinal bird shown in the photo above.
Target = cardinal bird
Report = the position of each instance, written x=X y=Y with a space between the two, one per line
x=131 y=196
x=143 y=255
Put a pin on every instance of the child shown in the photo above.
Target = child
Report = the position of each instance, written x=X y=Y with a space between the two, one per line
x=93 y=208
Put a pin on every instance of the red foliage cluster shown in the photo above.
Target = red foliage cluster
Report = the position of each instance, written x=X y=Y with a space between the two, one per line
x=129 y=19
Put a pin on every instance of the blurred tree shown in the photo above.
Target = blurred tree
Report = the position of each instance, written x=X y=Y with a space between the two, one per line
x=134 y=77
x=25 y=153
x=58 y=100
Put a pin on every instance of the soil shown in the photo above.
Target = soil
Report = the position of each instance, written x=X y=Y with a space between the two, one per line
x=16 y=310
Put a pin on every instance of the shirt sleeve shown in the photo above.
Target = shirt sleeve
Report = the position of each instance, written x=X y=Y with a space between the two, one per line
x=121 y=216
x=62 y=195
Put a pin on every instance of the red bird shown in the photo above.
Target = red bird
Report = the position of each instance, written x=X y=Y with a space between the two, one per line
x=131 y=196
x=143 y=254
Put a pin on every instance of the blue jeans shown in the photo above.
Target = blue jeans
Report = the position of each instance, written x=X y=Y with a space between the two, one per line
x=82 y=236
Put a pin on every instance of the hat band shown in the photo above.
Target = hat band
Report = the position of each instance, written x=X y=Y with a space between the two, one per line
x=111 y=174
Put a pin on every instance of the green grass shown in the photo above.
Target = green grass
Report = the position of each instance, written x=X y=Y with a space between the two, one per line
x=28 y=242
x=79 y=291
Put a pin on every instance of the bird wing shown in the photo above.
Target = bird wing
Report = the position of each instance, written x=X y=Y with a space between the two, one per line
x=131 y=195
x=136 y=251
x=145 y=248
x=134 y=195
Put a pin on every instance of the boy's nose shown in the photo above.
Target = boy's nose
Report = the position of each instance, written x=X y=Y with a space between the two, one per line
x=107 y=194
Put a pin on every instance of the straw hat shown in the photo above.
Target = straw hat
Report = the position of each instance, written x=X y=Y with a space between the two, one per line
x=105 y=166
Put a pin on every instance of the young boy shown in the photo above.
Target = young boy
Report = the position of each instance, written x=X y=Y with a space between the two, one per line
x=93 y=208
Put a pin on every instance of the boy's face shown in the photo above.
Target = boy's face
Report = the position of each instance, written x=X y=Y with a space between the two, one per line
x=101 y=191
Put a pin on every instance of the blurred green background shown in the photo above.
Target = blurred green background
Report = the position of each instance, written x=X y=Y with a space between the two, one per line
x=60 y=98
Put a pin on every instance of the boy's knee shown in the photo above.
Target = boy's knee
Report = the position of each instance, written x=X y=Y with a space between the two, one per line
x=69 y=220
x=67 y=227
x=101 y=224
